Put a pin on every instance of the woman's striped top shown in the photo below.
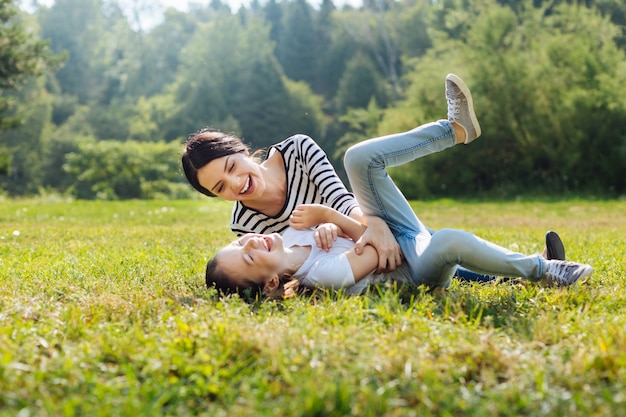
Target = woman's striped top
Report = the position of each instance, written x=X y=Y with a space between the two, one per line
x=311 y=179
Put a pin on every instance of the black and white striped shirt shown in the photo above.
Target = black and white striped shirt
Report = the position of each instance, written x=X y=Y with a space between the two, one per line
x=311 y=179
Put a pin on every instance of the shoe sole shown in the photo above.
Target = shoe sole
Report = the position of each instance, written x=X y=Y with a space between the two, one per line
x=470 y=103
x=554 y=246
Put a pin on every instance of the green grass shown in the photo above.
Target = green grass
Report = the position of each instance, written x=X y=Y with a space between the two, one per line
x=103 y=312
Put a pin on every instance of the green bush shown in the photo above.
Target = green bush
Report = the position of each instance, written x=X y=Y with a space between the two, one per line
x=112 y=170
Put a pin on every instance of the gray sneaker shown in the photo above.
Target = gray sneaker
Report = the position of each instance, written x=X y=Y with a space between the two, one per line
x=461 y=107
x=564 y=273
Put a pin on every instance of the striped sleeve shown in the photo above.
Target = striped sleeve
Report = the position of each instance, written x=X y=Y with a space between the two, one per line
x=321 y=173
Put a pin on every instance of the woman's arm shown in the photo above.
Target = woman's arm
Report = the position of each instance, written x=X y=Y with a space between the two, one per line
x=321 y=172
x=317 y=167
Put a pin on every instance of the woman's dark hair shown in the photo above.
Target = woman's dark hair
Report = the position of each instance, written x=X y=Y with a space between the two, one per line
x=203 y=147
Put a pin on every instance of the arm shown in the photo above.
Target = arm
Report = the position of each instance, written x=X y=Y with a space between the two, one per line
x=343 y=269
x=364 y=263
x=380 y=237
x=334 y=194
x=310 y=215
x=320 y=171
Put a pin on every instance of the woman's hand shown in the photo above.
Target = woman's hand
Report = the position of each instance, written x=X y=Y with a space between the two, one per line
x=380 y=237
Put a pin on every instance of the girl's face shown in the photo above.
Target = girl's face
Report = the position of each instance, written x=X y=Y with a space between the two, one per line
x=233 y=177
x=253 y=258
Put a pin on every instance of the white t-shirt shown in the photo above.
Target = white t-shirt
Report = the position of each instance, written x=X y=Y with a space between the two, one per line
x=327 y=269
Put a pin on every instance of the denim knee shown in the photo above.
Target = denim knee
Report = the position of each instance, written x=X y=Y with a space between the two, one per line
x=357 y=159
x=446 y=239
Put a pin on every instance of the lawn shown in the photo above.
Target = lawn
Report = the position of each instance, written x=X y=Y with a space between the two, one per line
x=104 y=312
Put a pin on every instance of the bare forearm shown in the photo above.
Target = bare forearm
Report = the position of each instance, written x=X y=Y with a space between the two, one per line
x=348 y=225
x=357 y=214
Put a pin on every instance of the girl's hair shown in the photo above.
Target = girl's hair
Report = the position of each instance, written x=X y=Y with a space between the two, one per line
x=203 y=147
x=248 y=290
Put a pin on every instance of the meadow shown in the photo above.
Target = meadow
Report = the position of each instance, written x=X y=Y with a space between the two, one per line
x=104 y=312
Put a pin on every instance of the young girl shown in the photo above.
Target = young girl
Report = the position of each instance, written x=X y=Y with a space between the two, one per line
x=264 y=262
x=296 y=171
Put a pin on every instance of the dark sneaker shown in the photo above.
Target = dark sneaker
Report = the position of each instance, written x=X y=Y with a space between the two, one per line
x=564 y=273
x=461 y=107
x=554 y=247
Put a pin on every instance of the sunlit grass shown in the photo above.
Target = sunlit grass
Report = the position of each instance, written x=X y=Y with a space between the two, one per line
x=103 y=311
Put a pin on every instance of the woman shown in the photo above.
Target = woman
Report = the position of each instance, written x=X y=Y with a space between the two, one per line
x=265 y=263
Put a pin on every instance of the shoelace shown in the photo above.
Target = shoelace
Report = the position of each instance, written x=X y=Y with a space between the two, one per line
x=454 y=106
x=561 y=273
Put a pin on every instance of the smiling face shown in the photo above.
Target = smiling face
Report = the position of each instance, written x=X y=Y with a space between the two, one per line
x=253 y=259
x=233 y=177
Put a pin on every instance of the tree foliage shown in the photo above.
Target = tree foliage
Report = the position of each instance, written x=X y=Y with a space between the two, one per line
x=541 y=83
x=547 y=79
x=22 y=56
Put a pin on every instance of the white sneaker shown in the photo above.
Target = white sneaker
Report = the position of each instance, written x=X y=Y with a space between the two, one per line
x=461 y=107
x=564 y=273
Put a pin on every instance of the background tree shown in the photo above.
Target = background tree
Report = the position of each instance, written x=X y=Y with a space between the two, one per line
x=323 y=26
x=24 y=145
x=236 y=77
x=537 y=86
x=22 y=55
x=296 y=48
x=75 y=27
x=548 y=79
x=360 y=83
x=114 y=170
x=273 y=14
x=332 y=59
x=375 y=27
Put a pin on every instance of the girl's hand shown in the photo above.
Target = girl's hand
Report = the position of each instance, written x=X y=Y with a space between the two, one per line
x=311 y=215
x=308 y=215
x=325 y=235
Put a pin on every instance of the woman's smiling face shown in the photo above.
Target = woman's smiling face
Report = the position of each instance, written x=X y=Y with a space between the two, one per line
x=254 y=258
x=233 y=177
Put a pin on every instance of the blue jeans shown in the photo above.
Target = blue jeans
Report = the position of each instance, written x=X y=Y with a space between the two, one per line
x=430 y=260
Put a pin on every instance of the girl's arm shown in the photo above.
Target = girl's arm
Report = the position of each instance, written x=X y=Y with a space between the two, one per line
x=366 y=260
x=310 y=215
x=378 y=235
x=364 y=263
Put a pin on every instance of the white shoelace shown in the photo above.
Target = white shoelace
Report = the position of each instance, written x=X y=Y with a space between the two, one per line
x=454 y=107
x=561 y=273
